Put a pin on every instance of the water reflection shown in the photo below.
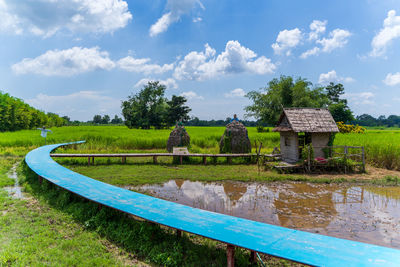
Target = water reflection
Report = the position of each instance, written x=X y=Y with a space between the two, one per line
x=363 y=213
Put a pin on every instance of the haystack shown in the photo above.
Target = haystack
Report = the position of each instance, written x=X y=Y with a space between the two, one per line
x=235 y=139
x=178 y=138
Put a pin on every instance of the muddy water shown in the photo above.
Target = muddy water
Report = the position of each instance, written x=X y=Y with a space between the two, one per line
x=14 y=191
x=363 y=213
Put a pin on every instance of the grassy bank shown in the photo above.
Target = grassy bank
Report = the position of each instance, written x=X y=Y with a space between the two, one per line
x=33 y=233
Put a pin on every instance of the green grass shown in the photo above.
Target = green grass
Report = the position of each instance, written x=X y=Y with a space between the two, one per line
x=382 y=146
x=32 y=233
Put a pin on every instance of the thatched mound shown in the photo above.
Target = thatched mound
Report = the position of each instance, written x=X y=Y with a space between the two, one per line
x=235 y=139
x=178 y=138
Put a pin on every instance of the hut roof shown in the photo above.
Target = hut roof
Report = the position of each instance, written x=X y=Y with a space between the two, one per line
x=308 y=120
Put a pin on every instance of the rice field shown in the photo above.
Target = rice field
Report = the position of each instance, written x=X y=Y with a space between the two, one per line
x=382 y=146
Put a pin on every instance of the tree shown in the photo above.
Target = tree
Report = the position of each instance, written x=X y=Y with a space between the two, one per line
x=284 y=93
x=116 y=120
x=15 y=115
x=337 y=106
x=105 y=119
x=146 y=108
x=176 y=110
x=97 y=119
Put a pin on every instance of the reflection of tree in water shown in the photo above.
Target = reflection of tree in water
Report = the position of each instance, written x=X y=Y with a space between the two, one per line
x=234 y=191
x=305 y=206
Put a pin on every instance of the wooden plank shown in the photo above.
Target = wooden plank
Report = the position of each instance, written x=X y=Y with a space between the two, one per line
x=304 y=247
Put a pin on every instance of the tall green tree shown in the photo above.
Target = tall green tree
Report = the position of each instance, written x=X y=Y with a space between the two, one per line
x=176 y=110
x=284 y=92
x=146 y=108
x=149 y=108
x=105 y=119
x=338 y=106
x=97 y=119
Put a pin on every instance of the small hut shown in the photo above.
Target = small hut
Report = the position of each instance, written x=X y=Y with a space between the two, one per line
x=299 y=127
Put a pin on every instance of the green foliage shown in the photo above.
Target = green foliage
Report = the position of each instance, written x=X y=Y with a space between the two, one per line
x=149 y=108
x=16 y=115
x=284 y=92
x=307 y=150
x=177 y=111
x=337 y=106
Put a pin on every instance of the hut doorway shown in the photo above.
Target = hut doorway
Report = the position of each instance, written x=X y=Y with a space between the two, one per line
x=304 y=140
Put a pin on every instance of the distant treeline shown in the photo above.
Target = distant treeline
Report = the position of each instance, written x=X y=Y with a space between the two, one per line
x=16 y=115
x=368 y=120
x=197 y=122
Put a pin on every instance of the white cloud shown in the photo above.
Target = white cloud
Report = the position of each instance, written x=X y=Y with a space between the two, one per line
x=169 y=83
x=234 y=59
x=338 y=38
x=392 y=79
x=47 y=17
x=67 y=62
x=317 y=27
x=191 y=95
x=176 y=9
x=310 y=52
x=389 y=32
x=9 y=22
x=198 y=19
x=82 y=105
x=238 y=92
x=363 y=98
x=287 y=40
x=141 y=65
x=331 y=76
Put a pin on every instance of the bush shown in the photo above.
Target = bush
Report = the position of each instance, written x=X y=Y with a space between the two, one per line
x=349 y=128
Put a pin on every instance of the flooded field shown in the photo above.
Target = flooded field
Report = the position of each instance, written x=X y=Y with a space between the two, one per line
x=363 y=213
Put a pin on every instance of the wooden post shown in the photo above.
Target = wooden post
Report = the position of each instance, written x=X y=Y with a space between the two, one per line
x=205 y=160
x=92 y=160
x=155 y=159
x=123 y=160
x=178 y=233
x=309 y=158
x=230 y=256
x=40 y=179
x=253 y=257
x=229 y=159
x=88 y=161
x=363 y=159
x=181 y=159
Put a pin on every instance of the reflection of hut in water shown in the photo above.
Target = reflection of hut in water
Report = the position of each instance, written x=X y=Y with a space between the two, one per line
x=302 y=126
x=179 y=183
x=234 y=191
x=306 y=206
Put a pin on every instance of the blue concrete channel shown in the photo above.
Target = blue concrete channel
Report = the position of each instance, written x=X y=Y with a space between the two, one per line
x=299 y=246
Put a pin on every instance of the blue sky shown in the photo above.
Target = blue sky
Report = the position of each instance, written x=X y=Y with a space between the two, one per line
x=81 y=58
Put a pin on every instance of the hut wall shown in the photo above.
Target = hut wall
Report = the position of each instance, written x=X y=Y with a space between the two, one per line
x=289 y=146
x=318 y=140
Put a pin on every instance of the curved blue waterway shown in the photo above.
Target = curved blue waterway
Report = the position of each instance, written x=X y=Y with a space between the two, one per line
x=304 y=247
